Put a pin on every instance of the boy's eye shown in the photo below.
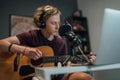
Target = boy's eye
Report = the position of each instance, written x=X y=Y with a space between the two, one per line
x=53 y=23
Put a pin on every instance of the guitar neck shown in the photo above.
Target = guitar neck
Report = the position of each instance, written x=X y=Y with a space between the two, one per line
x=48 y=59
x=56 y=59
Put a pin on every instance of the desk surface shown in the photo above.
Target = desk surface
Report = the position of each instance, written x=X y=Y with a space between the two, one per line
x=57 y=70
x=46 y=72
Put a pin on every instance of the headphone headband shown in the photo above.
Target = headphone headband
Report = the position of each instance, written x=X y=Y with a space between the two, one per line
x=42 y=22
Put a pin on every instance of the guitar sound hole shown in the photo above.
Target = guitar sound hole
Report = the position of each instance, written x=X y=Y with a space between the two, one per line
x=36 y=62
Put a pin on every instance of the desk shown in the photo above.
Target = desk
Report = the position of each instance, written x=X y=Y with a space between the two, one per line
x=45 y=73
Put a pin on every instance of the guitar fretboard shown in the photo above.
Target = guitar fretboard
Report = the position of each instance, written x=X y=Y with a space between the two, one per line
x=62 y=59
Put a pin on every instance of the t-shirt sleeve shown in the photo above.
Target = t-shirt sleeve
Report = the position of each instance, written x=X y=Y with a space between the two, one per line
x=25 y=38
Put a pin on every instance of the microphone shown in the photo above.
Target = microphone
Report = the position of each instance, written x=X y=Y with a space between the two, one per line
x=66 y=30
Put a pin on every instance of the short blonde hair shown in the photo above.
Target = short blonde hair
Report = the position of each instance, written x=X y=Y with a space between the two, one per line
x=47 y=10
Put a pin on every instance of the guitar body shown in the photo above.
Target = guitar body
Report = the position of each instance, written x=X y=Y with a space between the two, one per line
x=7 y=64
x=46 y=52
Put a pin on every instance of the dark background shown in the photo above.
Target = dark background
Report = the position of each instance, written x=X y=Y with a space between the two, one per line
x=27 y=8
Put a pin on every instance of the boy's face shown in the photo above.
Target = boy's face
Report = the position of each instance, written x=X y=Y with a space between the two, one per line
x=53 y=24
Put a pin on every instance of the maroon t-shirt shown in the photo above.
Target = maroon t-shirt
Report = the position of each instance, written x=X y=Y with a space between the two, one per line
x=34 y=38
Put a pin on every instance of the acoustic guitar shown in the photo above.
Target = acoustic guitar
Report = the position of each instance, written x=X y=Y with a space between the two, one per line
x=7 y=62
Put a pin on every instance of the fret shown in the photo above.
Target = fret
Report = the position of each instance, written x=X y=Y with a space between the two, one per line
x=49 y=59
x=53 y=59
x=60 y=58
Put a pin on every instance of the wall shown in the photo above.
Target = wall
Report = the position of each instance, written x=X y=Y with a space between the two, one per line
x=93 y=10
x=27 y=7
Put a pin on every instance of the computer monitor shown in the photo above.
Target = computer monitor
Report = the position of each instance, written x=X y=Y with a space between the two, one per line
x=109 y=46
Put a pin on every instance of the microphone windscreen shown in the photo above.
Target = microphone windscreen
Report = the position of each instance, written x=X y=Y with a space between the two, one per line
x=64 y=28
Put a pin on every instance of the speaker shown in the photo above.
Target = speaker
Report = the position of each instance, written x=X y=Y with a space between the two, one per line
x=42 y=22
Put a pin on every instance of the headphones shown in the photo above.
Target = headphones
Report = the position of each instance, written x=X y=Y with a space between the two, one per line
x=42 y=22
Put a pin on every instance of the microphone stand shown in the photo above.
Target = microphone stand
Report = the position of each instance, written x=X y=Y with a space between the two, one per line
x=66 y=60
x=69 y=33
x=76 y=42
x=86 y=58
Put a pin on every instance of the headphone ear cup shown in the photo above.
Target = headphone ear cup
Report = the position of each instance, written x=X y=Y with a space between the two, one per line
x=42 y=24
